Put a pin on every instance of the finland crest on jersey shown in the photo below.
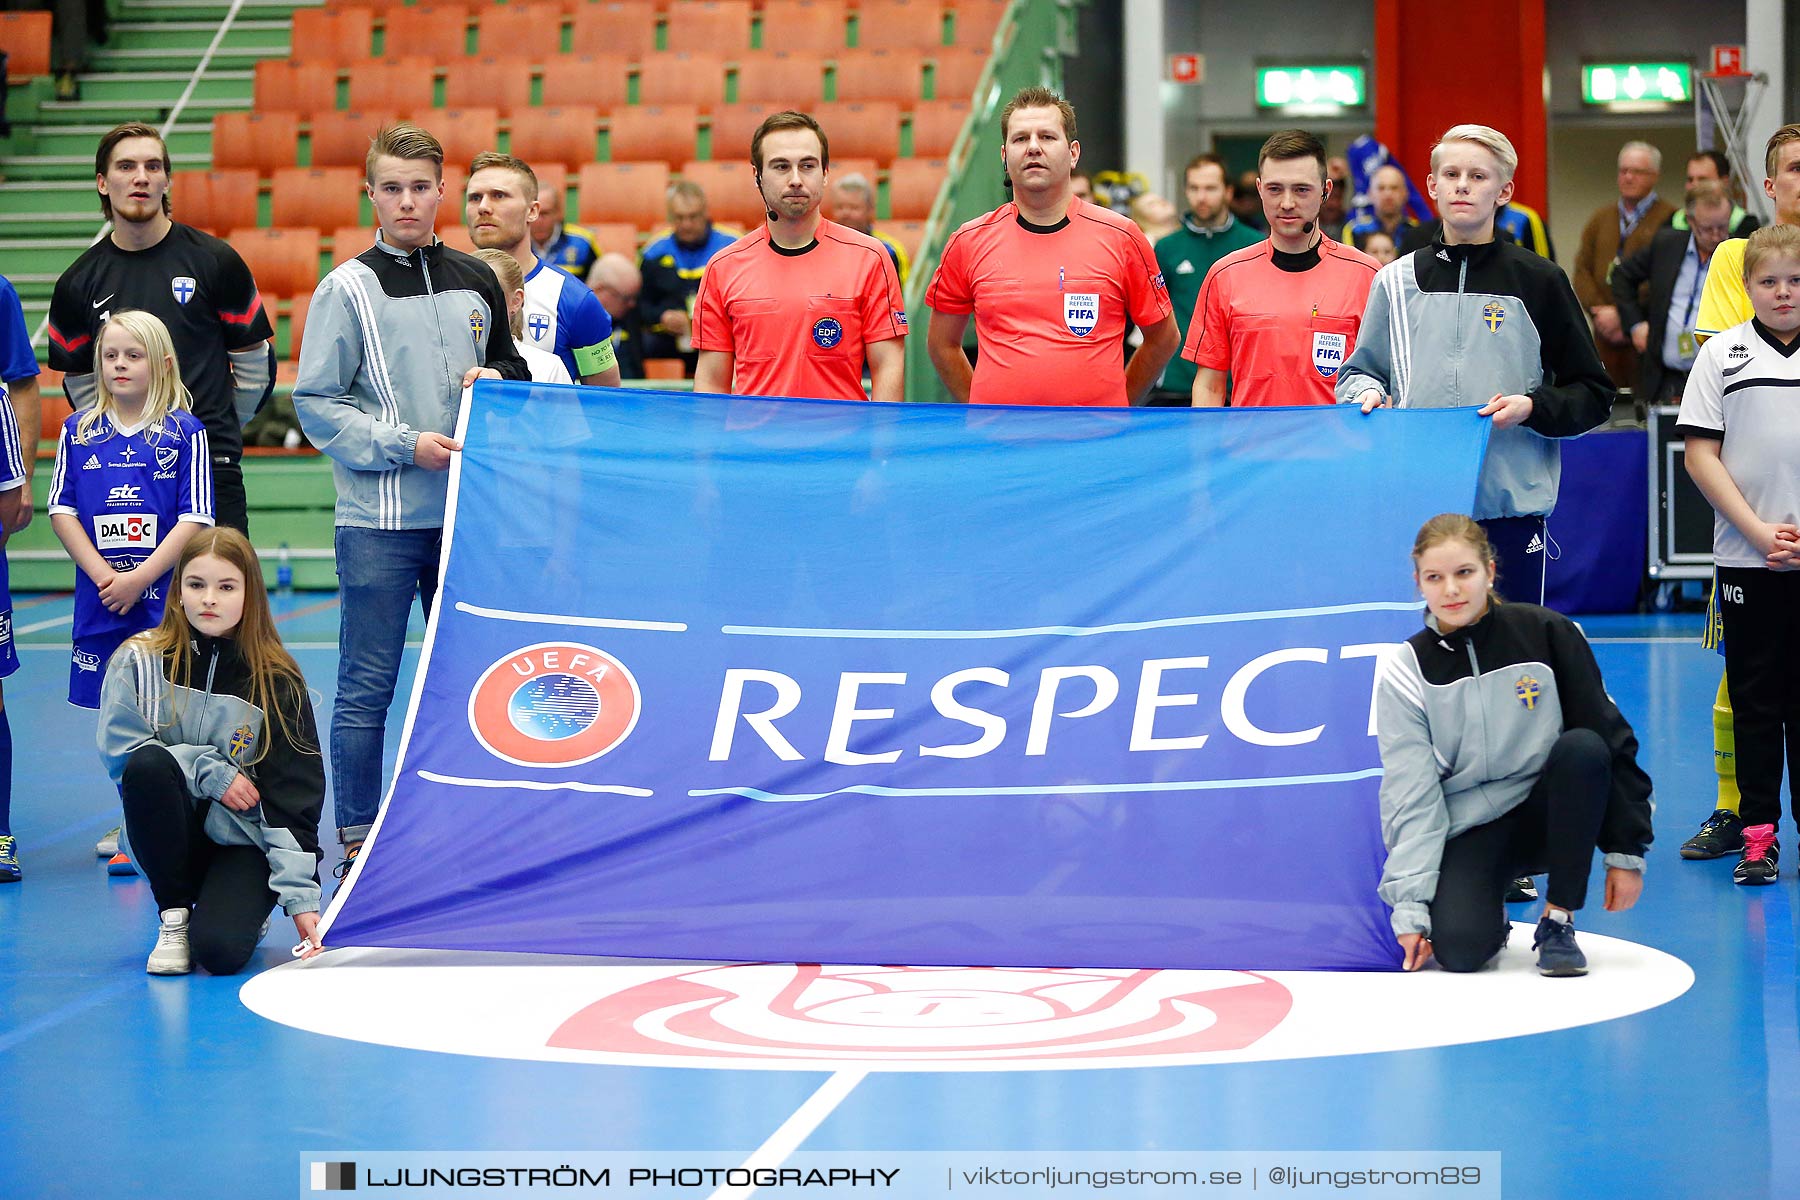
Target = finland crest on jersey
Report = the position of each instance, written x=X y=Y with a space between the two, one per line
x=1081 y=312
x=540 y=327
x=183 y=287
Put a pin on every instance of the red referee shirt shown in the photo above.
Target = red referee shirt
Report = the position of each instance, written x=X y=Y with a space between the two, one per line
x=1051 y=302
x=1282 y=334
x=795 y=321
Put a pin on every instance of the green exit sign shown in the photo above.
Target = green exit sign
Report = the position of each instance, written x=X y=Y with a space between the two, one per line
x=1320 y=89
x=1623 y=84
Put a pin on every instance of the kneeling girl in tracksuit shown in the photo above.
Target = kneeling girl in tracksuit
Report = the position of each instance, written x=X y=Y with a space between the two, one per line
x=1502 y=755
x=206 y=726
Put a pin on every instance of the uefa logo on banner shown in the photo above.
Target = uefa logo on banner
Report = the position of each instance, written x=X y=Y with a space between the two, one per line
x=555 y=704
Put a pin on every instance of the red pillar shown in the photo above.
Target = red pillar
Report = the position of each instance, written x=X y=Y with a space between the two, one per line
x=1440 y=65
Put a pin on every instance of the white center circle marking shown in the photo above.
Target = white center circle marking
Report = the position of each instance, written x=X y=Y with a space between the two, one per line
x=782 y=1016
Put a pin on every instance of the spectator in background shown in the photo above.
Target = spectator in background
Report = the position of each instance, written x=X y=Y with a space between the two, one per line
x=1246 y=204
x=1155 y=215
x=1083 y=185
x=617 y=281
x=1379 y=246
x=1615 y=231
x=192 y=282
x=1334 y=213
x=1658 y=291
x=671 y=267
x=1388 y=193
x=561 y=243
x=1710 y=166
x=852 y=205
x=561 y=316
x=1208 y=232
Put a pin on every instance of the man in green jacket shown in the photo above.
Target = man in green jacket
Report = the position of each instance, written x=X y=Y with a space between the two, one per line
x=1208 y=233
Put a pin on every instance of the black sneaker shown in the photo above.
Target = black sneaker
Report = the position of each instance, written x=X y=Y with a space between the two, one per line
x=1558 y=955
x=1761 y=850
x=1721 y=834
x=1522 y=890
x=341 y=872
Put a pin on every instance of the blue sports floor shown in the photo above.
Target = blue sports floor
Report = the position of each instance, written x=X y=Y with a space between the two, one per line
x=114 y=1083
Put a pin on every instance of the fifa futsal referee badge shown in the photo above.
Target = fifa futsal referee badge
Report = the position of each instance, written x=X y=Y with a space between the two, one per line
x=1527 y=691
x=1328 y=353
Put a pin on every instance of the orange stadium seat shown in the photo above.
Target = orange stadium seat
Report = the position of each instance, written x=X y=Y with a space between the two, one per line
x=456 y=190
x=216 y=201
x=555 y=135
x=730 y=189
x=794 y=79
x=552 y=176
x=880 y=75
x=956 y=70
x=900 y=25
x=25 y=36
x=393 y=85
x=913 y=185
x=910 y=235
x=261 y=140
x=868 y=168
x=298 y=87
x=436 y=31
x=597 y=79
x=489 y=82
x=684 y=78
x=333 y=35
x=464 y=132
x=319 y=197
x=372 y=5
x=615 y=237
x=816 y=27
x=534 y=30
x=298 y=307
x=284 y=262
x=341 y=139
x=935 y=124
x=632 y=193
x=625 y=27
x=732 y=126
x=350 y=241
x=649 y=133
x=870 y=130
x=719 y=26
x=457 y=238
x=976 y=21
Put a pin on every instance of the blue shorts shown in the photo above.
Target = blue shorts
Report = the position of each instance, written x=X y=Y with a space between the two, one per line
x=87 y=665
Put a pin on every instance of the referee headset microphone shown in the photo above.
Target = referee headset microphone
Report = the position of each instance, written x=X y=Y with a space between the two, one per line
x=763 y=196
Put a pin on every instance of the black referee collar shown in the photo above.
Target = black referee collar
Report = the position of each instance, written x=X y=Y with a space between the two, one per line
x=1028 y=227
x=791 y=252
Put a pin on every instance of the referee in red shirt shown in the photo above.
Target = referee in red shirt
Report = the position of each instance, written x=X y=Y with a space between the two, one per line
x=795 y=308
x=1282 y=316
x=1052 y=282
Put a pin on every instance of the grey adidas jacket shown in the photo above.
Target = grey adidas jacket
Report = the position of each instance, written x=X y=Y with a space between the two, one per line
x=1465 y=721
x=1448 y=326
x=389 y=337
x=213 y=733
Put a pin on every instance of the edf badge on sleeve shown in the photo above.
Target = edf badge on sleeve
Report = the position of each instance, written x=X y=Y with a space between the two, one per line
x=1328 y=353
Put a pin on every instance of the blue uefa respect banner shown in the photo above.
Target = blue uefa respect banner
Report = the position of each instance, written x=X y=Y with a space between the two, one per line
x=807 y=681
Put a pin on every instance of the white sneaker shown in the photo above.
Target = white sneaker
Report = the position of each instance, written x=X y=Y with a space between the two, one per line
x=170 y=955
x=108 y=846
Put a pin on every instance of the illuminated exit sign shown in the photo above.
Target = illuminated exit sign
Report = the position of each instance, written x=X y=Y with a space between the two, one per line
x=1637 y=83
x=1316 y=89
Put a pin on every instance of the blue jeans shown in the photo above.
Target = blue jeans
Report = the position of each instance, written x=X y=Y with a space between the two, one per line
x=379 y=572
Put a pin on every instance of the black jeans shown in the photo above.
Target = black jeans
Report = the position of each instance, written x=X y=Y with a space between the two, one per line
x=231 y=506
x=1762 y=634
x=1556 y=826
x=226 y=886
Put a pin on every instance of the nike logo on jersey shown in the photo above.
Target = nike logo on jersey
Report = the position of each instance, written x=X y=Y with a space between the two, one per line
x=109 y=296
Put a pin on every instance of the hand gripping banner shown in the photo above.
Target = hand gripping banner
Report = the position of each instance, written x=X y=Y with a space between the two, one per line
x=807 y=681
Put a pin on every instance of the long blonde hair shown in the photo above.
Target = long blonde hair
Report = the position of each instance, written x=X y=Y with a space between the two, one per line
x=512 y=278
x=270 y=665
x=167 y=392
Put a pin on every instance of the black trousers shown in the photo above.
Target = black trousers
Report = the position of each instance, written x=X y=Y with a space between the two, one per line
x=1522 y=569
x=226 y=886
x=231 y=506
x=1762 y=636
x=1555 y=827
